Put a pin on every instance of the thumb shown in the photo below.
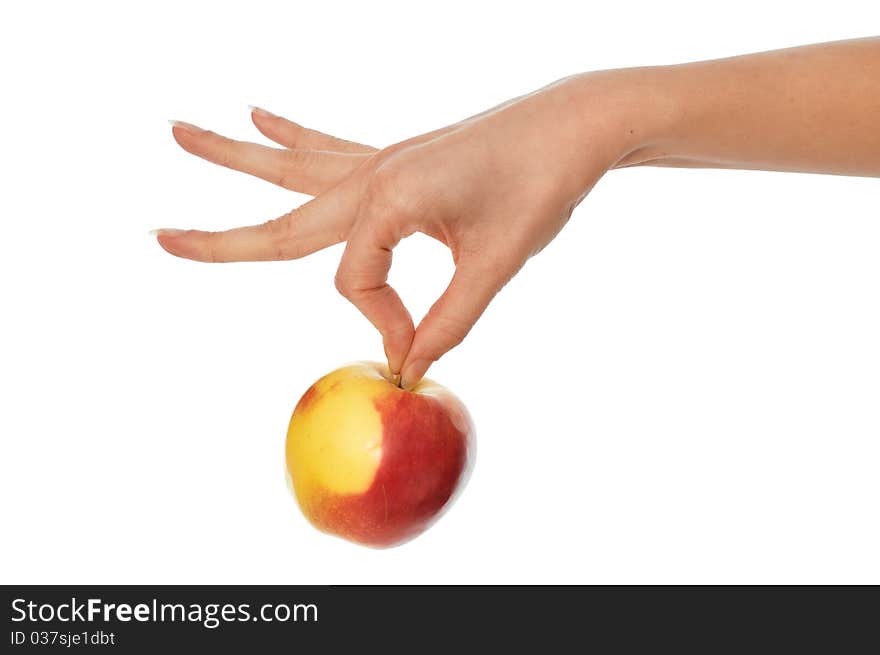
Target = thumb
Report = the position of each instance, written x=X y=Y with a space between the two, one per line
x=450 y=319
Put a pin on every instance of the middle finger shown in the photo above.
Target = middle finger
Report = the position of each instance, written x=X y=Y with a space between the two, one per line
x=304 y=171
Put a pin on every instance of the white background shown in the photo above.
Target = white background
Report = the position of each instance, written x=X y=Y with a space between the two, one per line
x=682 y=388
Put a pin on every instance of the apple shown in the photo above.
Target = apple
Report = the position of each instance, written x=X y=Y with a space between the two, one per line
x=373 y=463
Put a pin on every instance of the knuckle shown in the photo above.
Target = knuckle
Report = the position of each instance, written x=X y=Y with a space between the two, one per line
x=280 y=236
x=399 y=334
x=289 y=172
x=449 y=332
x=355 y=288
x=296 y=158
x=210 y=247
x=278 y=228
x=400 y=330
x=390 y=191
x=343 y=285
x=295 y=171
x=224 y=149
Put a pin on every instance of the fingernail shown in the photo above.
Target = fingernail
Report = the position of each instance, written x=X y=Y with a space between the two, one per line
x=166 y=232
x=187 y=127
x=394 y=363
x=413 y=373
x=259 y=111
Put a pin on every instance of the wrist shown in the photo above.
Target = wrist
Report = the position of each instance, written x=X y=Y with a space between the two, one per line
x=628 y=115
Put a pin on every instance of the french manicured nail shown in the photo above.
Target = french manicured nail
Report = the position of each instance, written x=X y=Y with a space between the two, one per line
x=166 y=232
x=187 y=127
x=259 y=111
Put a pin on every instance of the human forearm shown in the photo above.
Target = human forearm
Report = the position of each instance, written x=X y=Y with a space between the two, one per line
x=810 y=109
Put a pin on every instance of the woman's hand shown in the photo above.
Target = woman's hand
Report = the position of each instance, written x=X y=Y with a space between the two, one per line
x=495 y=188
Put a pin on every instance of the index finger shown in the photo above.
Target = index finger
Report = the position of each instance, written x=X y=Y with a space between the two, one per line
x=362 y=278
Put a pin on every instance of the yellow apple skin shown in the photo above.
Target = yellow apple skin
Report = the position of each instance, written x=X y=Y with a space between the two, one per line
x=373 y=463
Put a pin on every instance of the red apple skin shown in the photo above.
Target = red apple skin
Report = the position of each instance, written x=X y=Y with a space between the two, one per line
x=427 y=452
